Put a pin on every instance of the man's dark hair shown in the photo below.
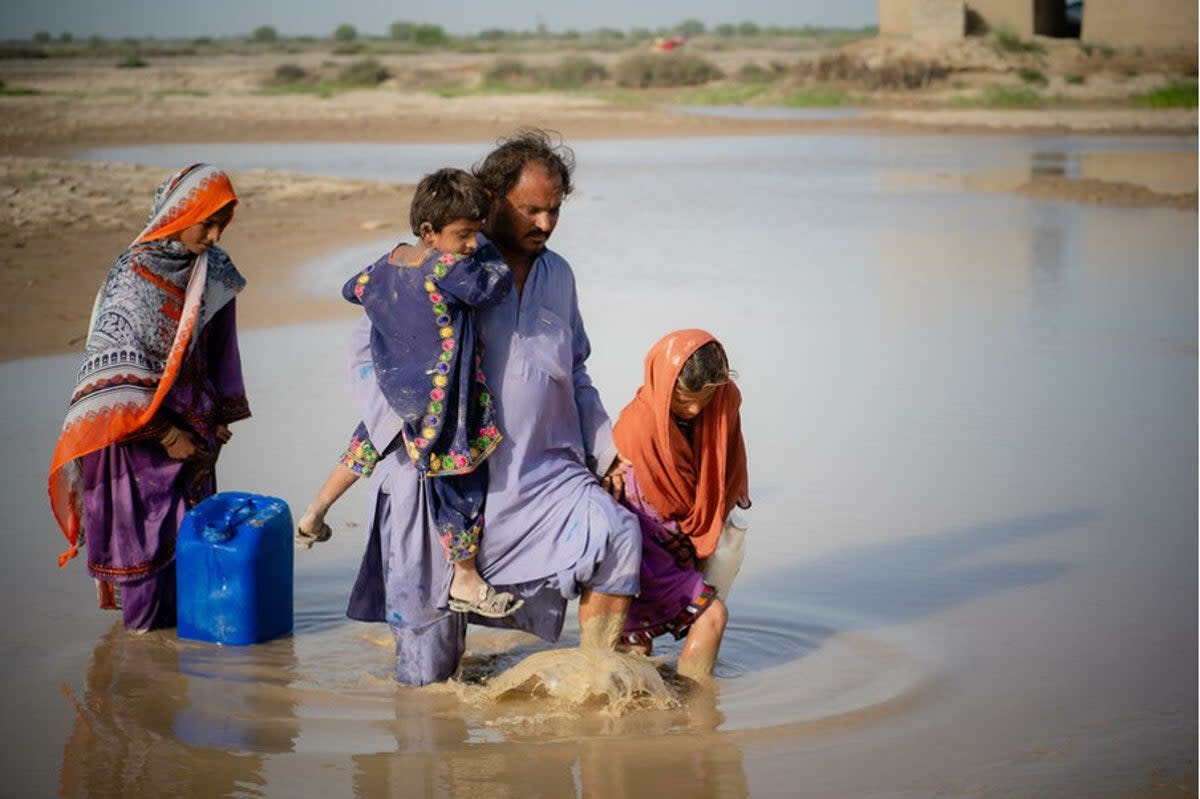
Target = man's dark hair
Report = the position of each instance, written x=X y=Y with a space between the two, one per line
x=446 y=196
x=707 y=366
x=501 y=169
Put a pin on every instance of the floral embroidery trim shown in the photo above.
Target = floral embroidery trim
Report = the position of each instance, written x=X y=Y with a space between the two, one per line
x=360 y=456
x=488 y=437
x=433 y=418
x=460 y=544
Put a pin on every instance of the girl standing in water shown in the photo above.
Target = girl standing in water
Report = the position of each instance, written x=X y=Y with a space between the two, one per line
x=681 y=436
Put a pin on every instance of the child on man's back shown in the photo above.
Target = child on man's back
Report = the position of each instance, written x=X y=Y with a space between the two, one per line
x=419 y=299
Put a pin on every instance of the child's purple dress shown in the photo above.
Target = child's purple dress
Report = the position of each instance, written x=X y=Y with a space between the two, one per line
x=673 y=592
x=426 y=358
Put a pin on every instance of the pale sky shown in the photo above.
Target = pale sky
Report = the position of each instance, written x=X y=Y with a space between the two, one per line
x=177 y=19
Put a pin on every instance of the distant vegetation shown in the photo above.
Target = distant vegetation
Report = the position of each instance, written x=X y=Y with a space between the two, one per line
x=289 y=78
x=10 y=91
x=403 y=36
x=1177 y=95
x=686 y=63
x=654 y=70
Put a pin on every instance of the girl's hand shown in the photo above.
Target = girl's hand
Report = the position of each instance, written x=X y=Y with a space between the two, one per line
x=223 y=433
x=179 y=444
x=614 y=479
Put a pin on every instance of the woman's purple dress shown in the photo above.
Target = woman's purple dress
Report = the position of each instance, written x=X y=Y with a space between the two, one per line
x=135 y=496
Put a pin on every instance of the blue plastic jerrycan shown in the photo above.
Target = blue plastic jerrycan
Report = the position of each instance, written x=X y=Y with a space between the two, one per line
x=233 y=561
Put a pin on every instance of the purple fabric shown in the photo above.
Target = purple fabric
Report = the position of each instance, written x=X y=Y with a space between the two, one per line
x=425 y=354
x=670 y=583
x=426 y=358
x=551 y=529
x=149 y=603
x=135 y=496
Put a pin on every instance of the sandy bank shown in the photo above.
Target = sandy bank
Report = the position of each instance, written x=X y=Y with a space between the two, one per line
x=63 y=221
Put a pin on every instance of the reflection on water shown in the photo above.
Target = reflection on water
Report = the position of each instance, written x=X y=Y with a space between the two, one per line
x=147 y=725
x=1054 y=164
x=972 y=425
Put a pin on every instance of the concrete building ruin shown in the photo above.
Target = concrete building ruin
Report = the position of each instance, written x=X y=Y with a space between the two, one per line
x=1148 y=24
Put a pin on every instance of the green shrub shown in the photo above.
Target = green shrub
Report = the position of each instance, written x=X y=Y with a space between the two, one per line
x=652 y=70
x=816 y=98
x=265 y=33
x=1008 y=42
x=12 y=91
x=721 y=95
x=756 y=73
x=511 y=73
x=131 y=62
x=1181 y=94
x=290 y=73
x=345 y=33
x=905 y=72
x=367 y=73
x=573 y=72
x=1032 y=76
x=429 y=35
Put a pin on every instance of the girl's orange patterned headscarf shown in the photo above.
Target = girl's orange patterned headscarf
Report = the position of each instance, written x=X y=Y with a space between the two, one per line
x=695 y=484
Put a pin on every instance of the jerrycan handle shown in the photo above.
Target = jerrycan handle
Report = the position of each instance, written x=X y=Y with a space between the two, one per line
x=218 y=531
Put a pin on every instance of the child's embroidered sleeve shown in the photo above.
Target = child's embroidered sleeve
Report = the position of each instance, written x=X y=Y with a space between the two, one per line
x=360 y=456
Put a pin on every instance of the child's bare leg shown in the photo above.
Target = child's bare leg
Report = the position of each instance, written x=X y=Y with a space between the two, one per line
x=466 y=583
x=646 y=649
x=469 y=592
x=312 y=523
x=700 y=648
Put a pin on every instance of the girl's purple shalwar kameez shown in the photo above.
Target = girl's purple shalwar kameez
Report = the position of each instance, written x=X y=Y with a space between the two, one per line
x=551 y=528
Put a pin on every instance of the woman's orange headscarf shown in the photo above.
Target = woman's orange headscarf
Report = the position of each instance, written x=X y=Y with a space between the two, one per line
x=695 y=484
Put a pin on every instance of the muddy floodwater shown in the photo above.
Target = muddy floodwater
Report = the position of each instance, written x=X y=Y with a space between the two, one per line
x=971 y=418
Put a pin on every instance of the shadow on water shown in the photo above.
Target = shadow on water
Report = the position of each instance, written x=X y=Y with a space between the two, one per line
x=882 y=584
